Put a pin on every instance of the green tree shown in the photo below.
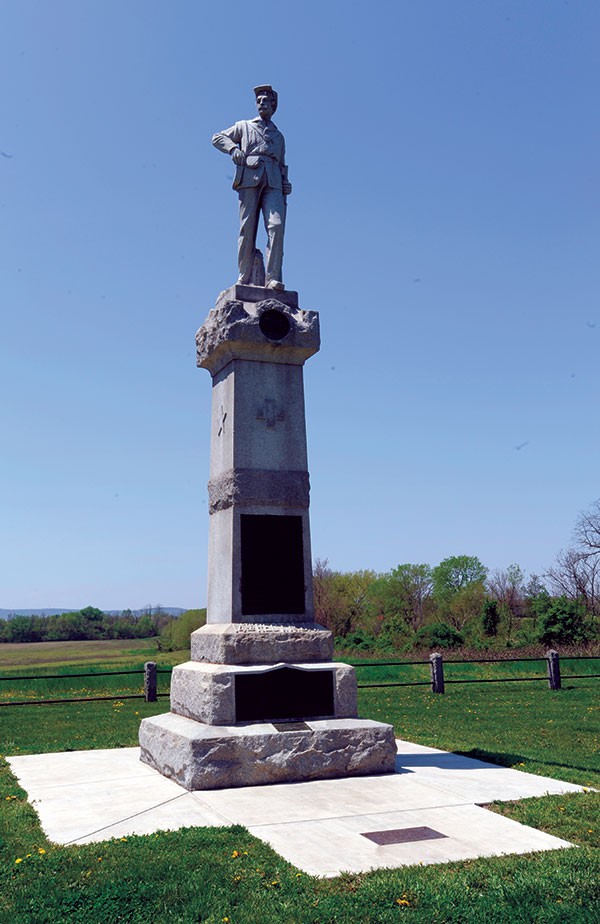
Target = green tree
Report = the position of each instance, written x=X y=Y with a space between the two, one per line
x=458 y=588
x=402 y=594
x=175 y=635
x=456 y=572
x=340 y=597
x=466 y=604
x=92 y=614
x=17 y=629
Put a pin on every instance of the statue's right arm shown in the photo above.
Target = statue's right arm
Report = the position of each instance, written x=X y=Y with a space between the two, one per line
x=229 y=139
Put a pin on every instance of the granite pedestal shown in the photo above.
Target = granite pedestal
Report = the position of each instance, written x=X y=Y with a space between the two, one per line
x=261 y=700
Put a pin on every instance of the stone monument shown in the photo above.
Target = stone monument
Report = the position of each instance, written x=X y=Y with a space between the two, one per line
x=261 y=700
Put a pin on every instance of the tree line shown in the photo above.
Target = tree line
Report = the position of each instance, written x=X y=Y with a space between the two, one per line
x=460 y=602
x=88 y=623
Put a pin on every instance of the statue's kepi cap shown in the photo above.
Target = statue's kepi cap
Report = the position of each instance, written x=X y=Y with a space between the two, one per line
x=267 y=86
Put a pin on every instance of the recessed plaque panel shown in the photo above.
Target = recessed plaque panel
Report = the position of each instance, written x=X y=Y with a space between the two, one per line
x=283 y=693
x=272 y=565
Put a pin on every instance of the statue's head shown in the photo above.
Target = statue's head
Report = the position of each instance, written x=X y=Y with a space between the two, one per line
x=266 y=100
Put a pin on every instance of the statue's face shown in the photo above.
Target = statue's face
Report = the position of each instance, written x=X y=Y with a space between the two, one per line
x=264 y=104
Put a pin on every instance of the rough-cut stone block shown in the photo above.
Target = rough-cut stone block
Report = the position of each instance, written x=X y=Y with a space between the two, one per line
x=262 y=487
x=201 y=756
x=206 y=692
x=232 y=331
x=260 y=643
x=203 y=692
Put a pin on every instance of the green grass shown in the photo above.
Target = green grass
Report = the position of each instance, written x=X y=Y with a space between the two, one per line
x=197 y=876
x=521 y=725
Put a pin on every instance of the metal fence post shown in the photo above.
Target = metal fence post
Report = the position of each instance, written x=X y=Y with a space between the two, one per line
x=150 y=681
x=437 y=672
x=553 y=669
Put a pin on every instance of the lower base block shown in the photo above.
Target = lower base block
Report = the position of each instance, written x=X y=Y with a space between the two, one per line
x=199 y=756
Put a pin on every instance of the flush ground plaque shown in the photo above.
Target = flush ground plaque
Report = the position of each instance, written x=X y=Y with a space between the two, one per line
x=403 y=836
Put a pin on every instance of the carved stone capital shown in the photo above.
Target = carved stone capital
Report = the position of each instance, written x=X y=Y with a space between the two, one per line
x=268 y=330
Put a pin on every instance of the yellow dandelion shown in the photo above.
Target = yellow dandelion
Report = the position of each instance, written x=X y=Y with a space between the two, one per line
x=41 y=850
x=235 y=854
x=19 y=860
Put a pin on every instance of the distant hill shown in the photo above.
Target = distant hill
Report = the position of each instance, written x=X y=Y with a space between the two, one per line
x=53 y=611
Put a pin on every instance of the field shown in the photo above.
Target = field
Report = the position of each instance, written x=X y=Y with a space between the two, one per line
x=225 y=875
x=112 y=652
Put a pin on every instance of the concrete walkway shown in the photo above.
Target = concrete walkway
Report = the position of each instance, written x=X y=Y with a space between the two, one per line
x=427 y=812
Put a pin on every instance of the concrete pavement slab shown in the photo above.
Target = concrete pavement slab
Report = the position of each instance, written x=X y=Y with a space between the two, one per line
x=320 y=825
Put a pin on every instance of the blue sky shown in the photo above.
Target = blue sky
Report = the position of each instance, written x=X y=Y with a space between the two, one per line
x=444 y=222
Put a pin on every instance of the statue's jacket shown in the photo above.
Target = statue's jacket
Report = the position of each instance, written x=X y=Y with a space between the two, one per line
x=264 y=148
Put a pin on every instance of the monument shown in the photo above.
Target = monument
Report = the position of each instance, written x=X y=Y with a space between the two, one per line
x=261 y=699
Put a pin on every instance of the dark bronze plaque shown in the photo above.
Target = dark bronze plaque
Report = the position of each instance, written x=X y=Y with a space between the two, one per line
x=291 y=726
x=403 y=836
x=274 y=324
x=284 y=693
x=272 y=564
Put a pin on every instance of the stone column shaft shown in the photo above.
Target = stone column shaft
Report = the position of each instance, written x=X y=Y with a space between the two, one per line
x=260 y=567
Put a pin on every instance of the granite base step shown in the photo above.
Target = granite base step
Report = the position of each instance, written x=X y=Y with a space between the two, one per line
x=199 y=756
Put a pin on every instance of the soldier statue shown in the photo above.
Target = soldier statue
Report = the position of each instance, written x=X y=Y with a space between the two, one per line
x=257 y=149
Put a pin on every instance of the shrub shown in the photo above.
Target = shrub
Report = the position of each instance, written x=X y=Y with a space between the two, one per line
x=439 y=635
x=562 y=621
x=358 y=641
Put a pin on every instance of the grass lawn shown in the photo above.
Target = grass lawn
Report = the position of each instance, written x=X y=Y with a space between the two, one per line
x=197 y=876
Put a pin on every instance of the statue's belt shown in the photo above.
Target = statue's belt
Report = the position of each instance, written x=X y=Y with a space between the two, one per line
x=253 y=160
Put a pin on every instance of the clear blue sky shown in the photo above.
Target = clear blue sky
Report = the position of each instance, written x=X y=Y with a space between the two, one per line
x=444 y=222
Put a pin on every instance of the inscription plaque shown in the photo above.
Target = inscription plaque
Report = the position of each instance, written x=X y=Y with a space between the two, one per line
x=283 y=693
x=272 y=564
